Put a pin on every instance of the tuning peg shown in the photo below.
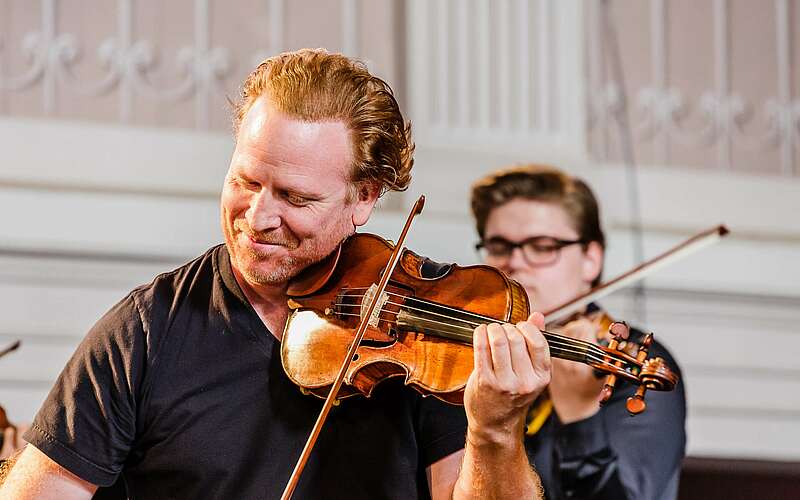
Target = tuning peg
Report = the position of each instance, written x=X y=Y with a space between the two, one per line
x=655 y=374
x=608 y=389
x=619 y=330
x=635 y=404
x=644 y=346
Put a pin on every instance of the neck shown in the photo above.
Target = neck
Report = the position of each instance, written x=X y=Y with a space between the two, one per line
x=269 y=302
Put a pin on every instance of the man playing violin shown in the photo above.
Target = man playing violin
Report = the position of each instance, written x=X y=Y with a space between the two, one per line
x=542 y=227
x=178 y=391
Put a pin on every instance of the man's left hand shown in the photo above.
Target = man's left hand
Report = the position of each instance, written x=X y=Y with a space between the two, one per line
x=512 y=367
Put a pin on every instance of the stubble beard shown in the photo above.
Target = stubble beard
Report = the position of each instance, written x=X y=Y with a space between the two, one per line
x=281 y=269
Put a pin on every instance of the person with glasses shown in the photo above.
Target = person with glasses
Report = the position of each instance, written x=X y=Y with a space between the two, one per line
x=541 y=226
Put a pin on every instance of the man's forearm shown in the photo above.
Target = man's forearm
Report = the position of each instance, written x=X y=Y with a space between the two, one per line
x=496 y=469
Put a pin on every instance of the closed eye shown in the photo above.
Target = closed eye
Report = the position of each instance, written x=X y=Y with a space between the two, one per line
x=296 y=199
x=247 y=184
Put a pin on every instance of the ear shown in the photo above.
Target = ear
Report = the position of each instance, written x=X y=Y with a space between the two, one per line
x=592 y=262
x=367 y=196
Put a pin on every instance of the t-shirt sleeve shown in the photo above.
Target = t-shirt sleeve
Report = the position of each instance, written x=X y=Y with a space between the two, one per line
x=88 y=421
x=442 y=428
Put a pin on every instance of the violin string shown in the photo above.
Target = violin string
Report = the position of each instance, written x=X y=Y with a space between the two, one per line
x=473 y=324
x=564 y=344
x=556 y=345
x=482 y=319
x=566 y=340
x=583 y=346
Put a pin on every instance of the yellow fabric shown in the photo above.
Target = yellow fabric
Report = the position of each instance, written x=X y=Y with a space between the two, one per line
x=538 y=415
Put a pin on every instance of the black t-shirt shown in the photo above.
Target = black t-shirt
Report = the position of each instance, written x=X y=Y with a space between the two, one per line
x=178 y=392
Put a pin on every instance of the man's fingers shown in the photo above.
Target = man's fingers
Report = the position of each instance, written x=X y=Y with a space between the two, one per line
x=482 y=356
x=538 y=319
x=521 y=362
x=501 y=354
x=538 y=348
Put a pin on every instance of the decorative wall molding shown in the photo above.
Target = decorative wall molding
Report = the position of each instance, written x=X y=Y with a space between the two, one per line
x=133 y=66
x=662 y=111
x=129 y=63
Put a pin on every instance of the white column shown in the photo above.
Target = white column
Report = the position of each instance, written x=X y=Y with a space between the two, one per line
x=784 y=114
x=503 y=33
x=202 y=82
x=722 y=78
x=658 y=43
x=443 y=73
x=125 y=40
x=350 y=28
x=464 y=66
x=523 y=61
x=482 y=36
x=275 y=19
x=544 y=66
x=47 y=39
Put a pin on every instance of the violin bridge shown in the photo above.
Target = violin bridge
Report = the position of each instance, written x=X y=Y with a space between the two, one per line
x=375 y=317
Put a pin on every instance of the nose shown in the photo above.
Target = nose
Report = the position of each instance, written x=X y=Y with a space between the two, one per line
x=515 y=261
x=263 y=213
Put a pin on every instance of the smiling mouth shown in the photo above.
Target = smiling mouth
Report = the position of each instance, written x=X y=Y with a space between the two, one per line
x=260 y=242
x=272 y=242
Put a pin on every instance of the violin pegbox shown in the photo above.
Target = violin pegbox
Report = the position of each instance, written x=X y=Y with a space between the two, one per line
x=650 y=373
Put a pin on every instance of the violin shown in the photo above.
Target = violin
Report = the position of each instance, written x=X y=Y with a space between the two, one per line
x=422 y=327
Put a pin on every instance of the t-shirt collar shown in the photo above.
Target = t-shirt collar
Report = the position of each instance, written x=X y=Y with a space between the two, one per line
x=223 y=263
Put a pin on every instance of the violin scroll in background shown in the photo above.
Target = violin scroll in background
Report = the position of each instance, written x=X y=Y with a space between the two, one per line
x=650 y=373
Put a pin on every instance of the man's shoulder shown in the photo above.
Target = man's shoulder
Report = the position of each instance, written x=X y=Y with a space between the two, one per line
x=145 y=316
x=153 y=303
x=175 y=281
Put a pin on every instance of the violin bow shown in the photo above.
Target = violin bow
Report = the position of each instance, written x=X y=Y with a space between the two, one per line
x=13 y=347
x=678 y=252
x=362 y=328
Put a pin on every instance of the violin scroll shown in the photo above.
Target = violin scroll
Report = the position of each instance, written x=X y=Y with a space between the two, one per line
x=647 y=373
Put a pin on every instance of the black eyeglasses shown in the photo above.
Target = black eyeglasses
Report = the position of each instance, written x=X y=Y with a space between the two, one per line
x=537 y=250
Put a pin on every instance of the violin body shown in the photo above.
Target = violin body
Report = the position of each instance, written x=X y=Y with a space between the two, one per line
x=422 y=330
